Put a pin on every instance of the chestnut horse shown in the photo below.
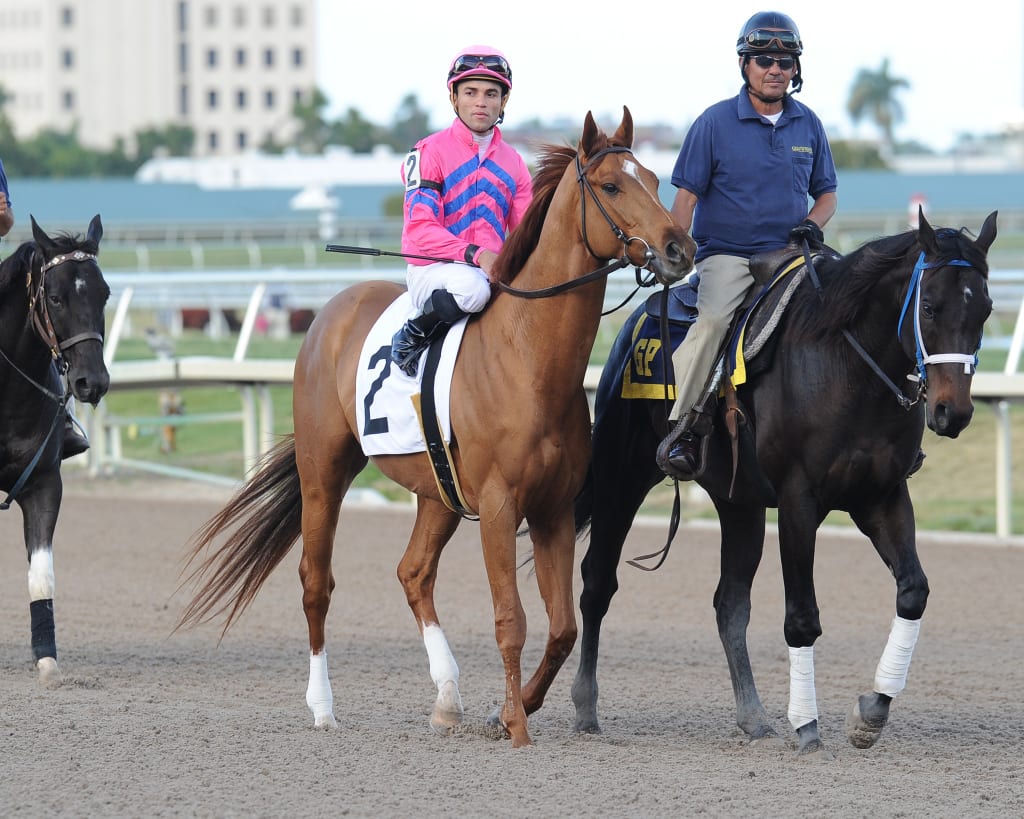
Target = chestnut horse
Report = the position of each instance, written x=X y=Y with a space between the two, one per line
x=520 y=428
x=825 y=425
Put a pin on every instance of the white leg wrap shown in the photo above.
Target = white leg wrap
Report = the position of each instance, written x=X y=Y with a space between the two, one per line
x=443 y=667
x=803 y=702
x=40 y=575
x=319 y=697
x=891 y=674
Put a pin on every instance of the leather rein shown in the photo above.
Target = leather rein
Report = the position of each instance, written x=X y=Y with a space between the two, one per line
x=616 y=264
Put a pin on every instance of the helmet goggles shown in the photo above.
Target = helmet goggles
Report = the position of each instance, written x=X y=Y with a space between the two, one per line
x=492 y=62
x=761 y=39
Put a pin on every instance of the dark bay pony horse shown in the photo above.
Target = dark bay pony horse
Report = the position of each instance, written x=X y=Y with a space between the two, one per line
x=825 y=430
x=520 y=422
x=52 y=296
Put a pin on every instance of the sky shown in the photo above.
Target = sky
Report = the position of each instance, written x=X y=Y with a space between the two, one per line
x=668 y=62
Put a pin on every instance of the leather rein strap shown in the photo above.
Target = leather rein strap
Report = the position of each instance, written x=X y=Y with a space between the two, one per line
x=616 y=264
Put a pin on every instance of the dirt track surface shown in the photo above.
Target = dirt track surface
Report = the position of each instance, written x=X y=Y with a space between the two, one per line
x=152 y=724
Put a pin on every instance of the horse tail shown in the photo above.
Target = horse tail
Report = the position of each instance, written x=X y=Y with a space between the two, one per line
x=584 y=504
x=266 y=516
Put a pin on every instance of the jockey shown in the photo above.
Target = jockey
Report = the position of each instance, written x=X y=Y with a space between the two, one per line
x=465 y=190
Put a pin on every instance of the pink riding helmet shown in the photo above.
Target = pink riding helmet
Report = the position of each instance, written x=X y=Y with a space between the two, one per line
x=480 y=61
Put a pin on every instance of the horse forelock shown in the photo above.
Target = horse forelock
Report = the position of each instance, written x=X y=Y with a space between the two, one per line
x=551 y=164
x=70 y=242
x=959 y=244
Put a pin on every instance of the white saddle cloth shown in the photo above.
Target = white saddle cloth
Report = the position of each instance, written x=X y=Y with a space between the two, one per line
x=385 y=414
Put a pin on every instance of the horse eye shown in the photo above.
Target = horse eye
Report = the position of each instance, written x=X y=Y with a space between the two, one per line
x=927 y=311
x=53 y=300
x=610 y=188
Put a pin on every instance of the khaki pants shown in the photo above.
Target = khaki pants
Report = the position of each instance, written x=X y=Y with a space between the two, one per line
x=724 y=282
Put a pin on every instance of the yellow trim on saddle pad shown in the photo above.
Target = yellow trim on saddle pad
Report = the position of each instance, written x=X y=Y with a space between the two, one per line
x=739 y=373
x=641 y=359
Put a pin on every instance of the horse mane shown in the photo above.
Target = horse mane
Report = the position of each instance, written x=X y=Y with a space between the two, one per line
x=848 y=281
x=551 y=165
x=13 y=267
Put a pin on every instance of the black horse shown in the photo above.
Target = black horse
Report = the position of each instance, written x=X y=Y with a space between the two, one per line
x=52 y=297
x=825 y=426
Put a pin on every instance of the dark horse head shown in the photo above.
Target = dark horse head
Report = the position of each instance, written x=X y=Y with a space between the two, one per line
x=945 y=312
x=930 y=288
x=67 y=295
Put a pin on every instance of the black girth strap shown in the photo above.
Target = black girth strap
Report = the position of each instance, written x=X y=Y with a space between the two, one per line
x=437 y=449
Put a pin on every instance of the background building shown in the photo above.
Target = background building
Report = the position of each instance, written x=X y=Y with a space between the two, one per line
x=231 y=70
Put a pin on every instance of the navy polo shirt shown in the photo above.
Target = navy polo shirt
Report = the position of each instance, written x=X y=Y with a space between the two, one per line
x=752 y=178
x=3 y=184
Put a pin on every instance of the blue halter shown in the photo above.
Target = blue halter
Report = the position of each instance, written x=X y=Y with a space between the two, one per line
x=970 y=362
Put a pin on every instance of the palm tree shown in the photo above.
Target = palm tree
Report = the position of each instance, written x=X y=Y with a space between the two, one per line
x=873 y=93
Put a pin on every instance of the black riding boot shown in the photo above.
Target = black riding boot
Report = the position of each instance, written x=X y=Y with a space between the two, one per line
x=75 y=443
x=682 y=453
x=439 y=313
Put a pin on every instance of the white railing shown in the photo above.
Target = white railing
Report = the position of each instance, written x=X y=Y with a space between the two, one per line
x=248 y=291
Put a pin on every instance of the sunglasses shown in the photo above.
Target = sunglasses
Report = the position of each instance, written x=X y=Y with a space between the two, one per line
x=764 y=61
x=492 y=62
x=763 y=38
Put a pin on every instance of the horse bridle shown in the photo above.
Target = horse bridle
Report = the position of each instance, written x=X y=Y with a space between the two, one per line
x=620 y=234
x=41 y=316
x=921 y=354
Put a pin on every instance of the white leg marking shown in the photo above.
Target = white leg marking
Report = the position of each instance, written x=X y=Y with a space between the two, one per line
x=40 y=575
x=443 y=667
x=444 y=671
x=891 y=674
x=803 y=703
x=319 y=697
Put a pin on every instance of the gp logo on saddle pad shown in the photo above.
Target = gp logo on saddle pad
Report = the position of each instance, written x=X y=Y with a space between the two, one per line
x=385 y=409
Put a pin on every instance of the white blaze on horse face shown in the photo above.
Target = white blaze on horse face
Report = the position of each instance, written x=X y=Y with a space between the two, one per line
x=443 y=667
x=40 y=575
x=79 y=285
x=803 y=702
x=891 y=674
x=630 y=168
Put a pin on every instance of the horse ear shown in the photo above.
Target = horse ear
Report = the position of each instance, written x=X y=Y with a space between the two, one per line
x=624 y=135
x=44 y=241
x=590 y=134
x=925 y=233
x=95 y=232
x=988 y=232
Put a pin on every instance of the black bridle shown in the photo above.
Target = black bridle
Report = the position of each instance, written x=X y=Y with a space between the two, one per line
x=616 y=264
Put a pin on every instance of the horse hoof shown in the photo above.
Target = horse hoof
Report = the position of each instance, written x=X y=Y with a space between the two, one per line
x=860 y=732
x=49 y=673
x=814 y=752
x=448 y=709
x=588 y=726
x=325 y=722
x=494 y=728
x=771 y=742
